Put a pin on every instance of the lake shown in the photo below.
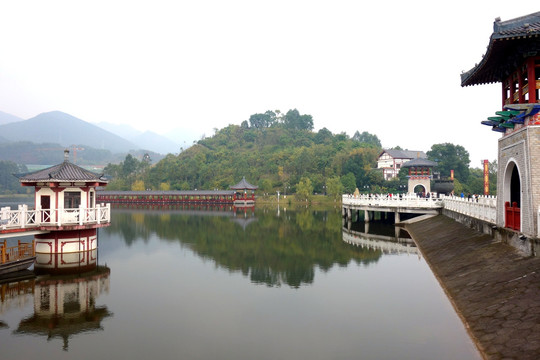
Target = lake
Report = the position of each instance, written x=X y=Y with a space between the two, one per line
x=265 y=283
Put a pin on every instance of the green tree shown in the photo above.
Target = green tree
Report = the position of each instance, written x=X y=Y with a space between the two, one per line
x=129 y=166
x=304 y=189
x=334 y=187
x=9 y=184
x=367 y=138
x=450 y=157
x=138 y=185
x=265 y=120
x=293 y=120
x=349 y=183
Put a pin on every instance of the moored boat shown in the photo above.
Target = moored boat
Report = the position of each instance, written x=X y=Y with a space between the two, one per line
x=16 y=258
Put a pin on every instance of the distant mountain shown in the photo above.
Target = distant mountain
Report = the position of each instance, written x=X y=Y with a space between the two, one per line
x=184 y=137
x=128 y=132
x=6 y=118
x=66 y=130
x=157 y=143
x=147 y=140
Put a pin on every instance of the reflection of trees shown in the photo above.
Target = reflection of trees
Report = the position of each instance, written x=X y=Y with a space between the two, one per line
x=273 y=250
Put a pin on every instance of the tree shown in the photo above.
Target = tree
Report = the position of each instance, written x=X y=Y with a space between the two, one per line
x=304 y=189
x=349 y=183
x=293 y=120
x=265 y=120
x=450 y=157
x=138 y=185
x=8 y=182
x=129 y=166
x=334 y=187
x=367 y=138
x=323 y=136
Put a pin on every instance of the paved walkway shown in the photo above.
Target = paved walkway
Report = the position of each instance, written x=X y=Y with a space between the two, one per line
x=495 y=290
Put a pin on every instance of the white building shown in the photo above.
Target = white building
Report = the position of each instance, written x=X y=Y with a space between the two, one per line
x=391 y=161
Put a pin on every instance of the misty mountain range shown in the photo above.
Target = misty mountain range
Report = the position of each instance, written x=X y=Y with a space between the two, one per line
x=66 y=130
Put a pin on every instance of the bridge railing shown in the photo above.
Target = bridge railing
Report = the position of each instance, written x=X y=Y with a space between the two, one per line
x=481 y=207
x=392 y=200
x=23 y=217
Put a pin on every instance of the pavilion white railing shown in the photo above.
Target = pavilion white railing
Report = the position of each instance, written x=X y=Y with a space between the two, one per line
x=23 y=217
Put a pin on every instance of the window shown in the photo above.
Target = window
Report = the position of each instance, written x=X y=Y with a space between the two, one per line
x=72 y=199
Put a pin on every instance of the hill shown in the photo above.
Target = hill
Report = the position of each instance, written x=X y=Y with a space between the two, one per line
x=146 y=140
x=6 y=118
x=64 y=129
x=275 y=158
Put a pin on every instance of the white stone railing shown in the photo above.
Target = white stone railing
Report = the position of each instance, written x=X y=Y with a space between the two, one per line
x=23 y=217
x=392 y=200
x=481 y=207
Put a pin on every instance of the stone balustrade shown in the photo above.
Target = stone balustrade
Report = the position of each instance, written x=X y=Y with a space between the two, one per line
x=24 y=218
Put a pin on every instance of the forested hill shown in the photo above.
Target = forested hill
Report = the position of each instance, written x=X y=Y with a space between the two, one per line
x=273 y=156
x=281 y=152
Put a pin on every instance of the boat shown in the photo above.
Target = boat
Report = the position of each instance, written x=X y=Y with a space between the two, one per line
x=16 y=258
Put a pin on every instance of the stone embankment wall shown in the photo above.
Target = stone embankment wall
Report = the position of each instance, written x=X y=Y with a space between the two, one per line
x=526 y=246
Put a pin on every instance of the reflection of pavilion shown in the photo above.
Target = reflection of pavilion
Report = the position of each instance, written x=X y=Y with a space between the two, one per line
x=387 y=244
x=66 y=306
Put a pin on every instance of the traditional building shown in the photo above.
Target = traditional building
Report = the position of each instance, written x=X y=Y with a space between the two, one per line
x=65 y=202
x=513 y=59
x=420 y=175
x=391 y=161
x=242 y=197
x=61 y=187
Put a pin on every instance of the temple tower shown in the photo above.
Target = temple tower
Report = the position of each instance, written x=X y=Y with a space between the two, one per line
x=513 y=59
x=420 y=174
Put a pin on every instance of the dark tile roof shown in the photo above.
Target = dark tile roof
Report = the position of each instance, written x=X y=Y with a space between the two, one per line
x=243 y=184
x=405 y=154
x=511 y=41
x=64 y=172
x=419 y=162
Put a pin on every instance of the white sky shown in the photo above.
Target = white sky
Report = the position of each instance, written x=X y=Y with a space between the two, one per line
x=391 y=68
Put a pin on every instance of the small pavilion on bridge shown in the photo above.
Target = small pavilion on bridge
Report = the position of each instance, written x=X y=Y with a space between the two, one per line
x=420 y=174
x=242 y=197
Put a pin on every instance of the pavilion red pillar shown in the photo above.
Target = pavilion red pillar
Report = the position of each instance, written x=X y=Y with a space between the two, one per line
x=531 y=78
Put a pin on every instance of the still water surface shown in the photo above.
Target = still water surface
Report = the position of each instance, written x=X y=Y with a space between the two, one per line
x=269 y=284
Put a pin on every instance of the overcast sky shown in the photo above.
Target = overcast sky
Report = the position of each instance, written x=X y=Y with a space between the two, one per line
x=391 y=68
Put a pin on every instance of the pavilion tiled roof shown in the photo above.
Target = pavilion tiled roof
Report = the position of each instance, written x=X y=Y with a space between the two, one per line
x=404 y=154
x=243 y=185
x=64 y=172
x=508 y=44
x=419 y=162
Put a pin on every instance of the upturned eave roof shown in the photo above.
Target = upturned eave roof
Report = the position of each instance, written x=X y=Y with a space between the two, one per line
x=419 y=162
x=64 y=172
x=510 y=43
x=244 y=185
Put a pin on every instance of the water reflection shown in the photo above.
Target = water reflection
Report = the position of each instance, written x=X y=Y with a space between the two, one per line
x=270 y=250
x=64 y=306
x=380 y=236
